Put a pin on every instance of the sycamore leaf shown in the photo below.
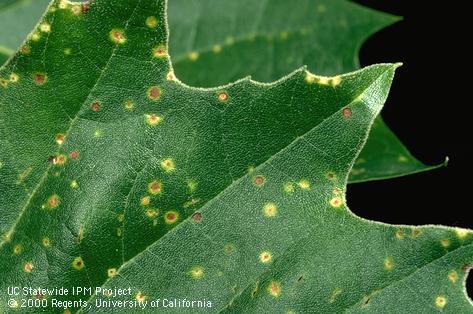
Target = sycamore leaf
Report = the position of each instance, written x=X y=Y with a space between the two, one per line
x=214 y=42
x=235 y=194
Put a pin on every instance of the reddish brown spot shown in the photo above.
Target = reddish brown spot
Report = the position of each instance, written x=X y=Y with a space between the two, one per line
x=53 y=201
x=223 y=96
x=467 y=267
x=259 y=180
x=154 y=92
x=330 y=175
x=25 y=49
x=39 y=79
x=171 y=216
x=39 y=296
x=74 y=154
x=197 y=217
x=346 y=113
x=51 y=159
x=86 y=6
x=95 y=106
x=118 y=36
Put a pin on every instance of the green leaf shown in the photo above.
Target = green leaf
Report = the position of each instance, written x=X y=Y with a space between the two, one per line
x=234 y=194
x=214 y=42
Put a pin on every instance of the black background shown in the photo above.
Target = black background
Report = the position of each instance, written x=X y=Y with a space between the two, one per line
x=428 y=110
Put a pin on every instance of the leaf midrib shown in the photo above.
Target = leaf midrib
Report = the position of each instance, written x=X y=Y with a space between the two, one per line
x=216 y=197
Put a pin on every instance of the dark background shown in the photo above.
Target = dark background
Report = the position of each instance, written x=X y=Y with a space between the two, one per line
x=428 y=110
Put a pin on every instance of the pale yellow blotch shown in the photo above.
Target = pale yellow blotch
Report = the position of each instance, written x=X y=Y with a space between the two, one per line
x=145 y=200
x=168 y=165
x=416 y=233
x=440 y=301
x=321 y=8
x=60 y=138
x=28 y=267
x=304 y=184
x=229 y=40
x=111 y=272
x=388 y=264
x=63 y=4
x=14 y=78
x=160 y=51
x=228 y=248
x=192 y=185
x=323 y=80
x=288 y=187
x=23 y=175
x=129 y=104
x=36 y=36
x=67 y=51
x=335 y=293
x=153 y=119
x=197 y=272
x=117 y=36
x=119 y=232
x=445 y=243
x=270 y=210
x=4 y=83
x=121 y=217
x=170 y=76
x=400 y=234
x=98 y=133
x=265 y=257
x=283 y=35
x=45 y=27
x=216 y=48
x=17 y=249
x=46 y=242
x=453 y=276
x=402 y=158
x=151 y=213
x=193 y=56
x=191 y=202
x=74 y=184
x=336 y=202
x=76 y=9
x=80 y=235
x=151 y=21
x=274 y=289
x=140 y=296
x=462 y=233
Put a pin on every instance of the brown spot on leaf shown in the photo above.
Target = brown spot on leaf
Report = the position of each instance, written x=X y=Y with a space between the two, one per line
x=95 y=106
x=346 y=113
x=258 y=180
x=197 y=217
x=74 y=154
x=223 y=96
x=39 y=78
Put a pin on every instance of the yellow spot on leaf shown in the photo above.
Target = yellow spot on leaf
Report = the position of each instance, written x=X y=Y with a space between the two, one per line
x=129 y=104
x=274 y=289
x=155 y=187
x=153 y=119
x=197 y=272
x=74 y=184
x=171 y=217
x=288 y=187
x=388 y=264
x=117 y=36
x=28 y=267
x=46 y=242
x=111 y=272
x=151 y=213
x=336 y=202
x=216 y=48
x=17 y=249
x=440 y=301
x=304 y=184
x=445 y=242
x=145 y=200
x=140 y=296
x=335 y=294
x=402 y=158
x=45 y=27
x=78 y=263
x=168 y=165
x=323 y=80
x=453 y=276
x=265 y=257
x=400 y=234
x=14 y=78
x=462 y=233
x=270 y=210
x=192 y=185
x=53 y=202
x=160 y=51
x=193 y=56
x=151 y=21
